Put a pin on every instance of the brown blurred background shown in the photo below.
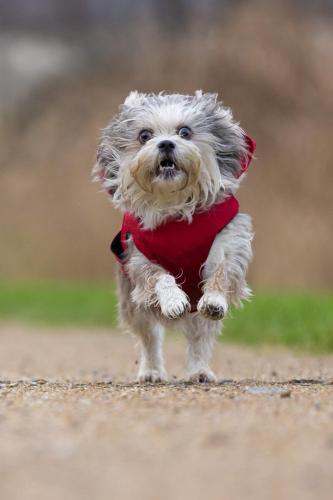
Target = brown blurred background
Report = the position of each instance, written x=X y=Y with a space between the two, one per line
x=66 y=65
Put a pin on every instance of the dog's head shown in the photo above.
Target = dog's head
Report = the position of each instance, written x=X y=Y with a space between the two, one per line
x=174 y=153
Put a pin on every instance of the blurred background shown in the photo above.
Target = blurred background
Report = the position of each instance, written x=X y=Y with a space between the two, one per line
x=65 y=66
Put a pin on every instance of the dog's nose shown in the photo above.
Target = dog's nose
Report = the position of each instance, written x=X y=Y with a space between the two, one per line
x=166 y=146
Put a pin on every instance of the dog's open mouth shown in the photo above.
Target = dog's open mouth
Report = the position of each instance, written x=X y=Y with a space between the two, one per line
x=167 y=168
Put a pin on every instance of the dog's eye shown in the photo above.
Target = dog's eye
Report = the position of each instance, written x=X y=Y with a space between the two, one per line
x=145 y=135
x=185 y=132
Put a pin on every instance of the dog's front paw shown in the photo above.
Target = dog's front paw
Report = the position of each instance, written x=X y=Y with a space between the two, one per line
x=151 y=375
x=213 y=305
x=172 y=300
x=203 y=376
x=175 y=304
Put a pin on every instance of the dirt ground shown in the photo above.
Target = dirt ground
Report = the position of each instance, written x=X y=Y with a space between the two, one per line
x=73 y=425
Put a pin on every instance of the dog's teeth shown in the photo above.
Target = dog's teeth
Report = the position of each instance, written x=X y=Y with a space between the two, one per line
x=167 y=164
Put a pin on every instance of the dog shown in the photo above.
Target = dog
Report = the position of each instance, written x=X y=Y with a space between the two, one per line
x=172 y=164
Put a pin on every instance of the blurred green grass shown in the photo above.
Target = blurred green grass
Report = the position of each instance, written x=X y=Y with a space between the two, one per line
x=299 y=320
x=296 y=320
x=59 y=303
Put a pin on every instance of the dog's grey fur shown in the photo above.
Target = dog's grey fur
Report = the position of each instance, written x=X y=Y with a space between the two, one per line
x=208 y=167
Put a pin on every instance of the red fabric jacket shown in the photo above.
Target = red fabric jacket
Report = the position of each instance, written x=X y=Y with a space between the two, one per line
x=181 y=248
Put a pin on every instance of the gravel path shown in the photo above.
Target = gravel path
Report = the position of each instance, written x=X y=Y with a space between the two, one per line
x=73 y=426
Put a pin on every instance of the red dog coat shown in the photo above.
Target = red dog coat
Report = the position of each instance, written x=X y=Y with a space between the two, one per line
x=181 y=248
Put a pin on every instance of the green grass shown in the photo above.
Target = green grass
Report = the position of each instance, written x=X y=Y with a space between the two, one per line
x=293 y=319
x=59 y=303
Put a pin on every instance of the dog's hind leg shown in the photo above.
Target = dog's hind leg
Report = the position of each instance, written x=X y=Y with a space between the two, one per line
x=151 y=335
x=201 y=335
x=144 y=326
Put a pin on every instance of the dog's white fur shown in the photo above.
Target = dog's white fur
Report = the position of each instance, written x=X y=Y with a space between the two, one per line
x=208 y=166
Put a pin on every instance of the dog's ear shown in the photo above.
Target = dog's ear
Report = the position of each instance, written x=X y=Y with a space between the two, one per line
x=231 y=144
x=106 y=168
x=250 y=149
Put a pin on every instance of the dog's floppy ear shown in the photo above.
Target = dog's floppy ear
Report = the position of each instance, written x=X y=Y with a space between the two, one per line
x=234 y=149
x=106 y=169
x=250 y=149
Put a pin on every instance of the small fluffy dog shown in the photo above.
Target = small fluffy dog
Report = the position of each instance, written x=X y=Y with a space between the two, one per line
x=172 y=164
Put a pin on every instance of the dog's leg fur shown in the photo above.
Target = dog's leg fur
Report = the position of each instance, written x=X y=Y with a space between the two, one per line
x=201 y=335
x=145 y=326
x=225 y=270
x=151 y=334
x=224 y=283
x=155 y=287
x=144 y=286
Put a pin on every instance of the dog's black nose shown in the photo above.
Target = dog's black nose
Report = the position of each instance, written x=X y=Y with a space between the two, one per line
x=166 y=146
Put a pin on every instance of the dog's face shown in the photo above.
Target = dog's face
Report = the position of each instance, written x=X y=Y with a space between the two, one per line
x=170 y=152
